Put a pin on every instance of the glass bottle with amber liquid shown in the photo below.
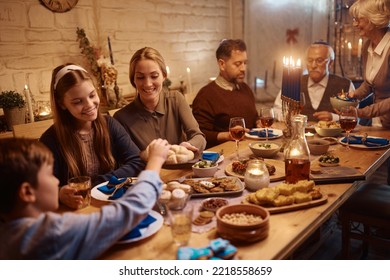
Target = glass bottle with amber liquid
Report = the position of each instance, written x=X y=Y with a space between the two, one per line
x=297 y=155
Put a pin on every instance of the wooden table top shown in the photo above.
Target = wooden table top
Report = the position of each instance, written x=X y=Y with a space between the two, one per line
x=287 y=230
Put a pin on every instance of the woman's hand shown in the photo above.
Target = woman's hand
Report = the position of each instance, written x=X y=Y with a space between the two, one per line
x=67 y=197
x=189 y=146
x=351 y=94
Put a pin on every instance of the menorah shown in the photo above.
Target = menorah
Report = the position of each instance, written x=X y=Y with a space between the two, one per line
x=292 y=98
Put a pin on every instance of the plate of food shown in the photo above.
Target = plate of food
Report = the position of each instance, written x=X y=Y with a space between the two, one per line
x=287 y=197
x=99 y=191
x=260 y=133
x=215 y=186
x=275 y=169
x=147 y=231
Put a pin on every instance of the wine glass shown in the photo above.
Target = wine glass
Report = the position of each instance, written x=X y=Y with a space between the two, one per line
x=237 y=131
x=267 y=117
x=348 y=120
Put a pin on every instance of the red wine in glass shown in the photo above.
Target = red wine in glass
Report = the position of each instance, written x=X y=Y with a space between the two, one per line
x=267 y=117
x=348 y=120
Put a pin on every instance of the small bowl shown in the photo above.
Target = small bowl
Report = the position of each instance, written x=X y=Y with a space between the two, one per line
x=338 y=103
x=246 y=233
x=261 y=149
x=318 y=146
x=328 y=132
x=201 y=172
x=214 y=203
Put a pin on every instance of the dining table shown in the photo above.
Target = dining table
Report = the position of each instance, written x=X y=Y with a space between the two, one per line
x=288 y=230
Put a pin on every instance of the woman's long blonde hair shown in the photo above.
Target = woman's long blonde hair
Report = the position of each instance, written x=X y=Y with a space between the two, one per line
x=65 y=129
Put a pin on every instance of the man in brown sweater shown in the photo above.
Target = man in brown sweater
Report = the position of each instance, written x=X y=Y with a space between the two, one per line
x=226 y=97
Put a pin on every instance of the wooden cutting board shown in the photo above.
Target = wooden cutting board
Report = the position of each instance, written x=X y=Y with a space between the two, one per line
x=293 y=207
x=336 y=174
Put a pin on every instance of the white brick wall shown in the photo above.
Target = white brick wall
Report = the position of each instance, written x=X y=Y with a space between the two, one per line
x=34 y=40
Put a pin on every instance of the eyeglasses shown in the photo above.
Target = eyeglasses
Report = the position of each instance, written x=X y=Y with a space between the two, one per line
x=318 y=61
x=358 y=20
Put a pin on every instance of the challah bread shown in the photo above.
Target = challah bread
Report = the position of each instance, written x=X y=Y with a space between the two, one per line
x=179 y=154
x=176 y=154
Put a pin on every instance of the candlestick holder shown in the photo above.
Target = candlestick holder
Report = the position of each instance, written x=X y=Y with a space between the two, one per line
x=290 y=107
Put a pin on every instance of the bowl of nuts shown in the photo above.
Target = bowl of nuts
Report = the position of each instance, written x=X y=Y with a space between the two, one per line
x=243 y=222
x=214 y=203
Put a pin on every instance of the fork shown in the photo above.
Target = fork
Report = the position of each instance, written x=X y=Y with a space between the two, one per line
x=119 y=186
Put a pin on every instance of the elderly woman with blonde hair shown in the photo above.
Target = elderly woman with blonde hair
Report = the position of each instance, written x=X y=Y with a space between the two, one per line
x=372 y=18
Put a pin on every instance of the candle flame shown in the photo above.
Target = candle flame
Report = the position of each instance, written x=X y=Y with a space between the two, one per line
x=25 y=87
x=188 y=69
x=299 y=62
x=167 y=70
x=349 y=45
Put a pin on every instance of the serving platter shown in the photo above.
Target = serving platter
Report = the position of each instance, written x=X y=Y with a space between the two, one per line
x=292 y=207
x=187 y=164
x=277 y=176
x=277 y=133
x=238 y=184
x=148 y=231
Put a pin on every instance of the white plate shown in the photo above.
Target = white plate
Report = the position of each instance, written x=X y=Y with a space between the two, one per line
x=277 y=134
x=221 y=158
x=96 y=194
x=362 y=146
x=148 y=231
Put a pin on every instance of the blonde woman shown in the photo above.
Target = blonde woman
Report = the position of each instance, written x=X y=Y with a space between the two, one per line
x=83 y=141
x=372 y=18
x=158 y=112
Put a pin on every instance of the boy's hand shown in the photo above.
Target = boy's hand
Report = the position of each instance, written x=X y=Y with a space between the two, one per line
x=67 y=197
x=158 y=153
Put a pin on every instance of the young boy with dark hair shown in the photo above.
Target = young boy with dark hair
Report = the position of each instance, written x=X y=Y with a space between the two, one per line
x=29 y=229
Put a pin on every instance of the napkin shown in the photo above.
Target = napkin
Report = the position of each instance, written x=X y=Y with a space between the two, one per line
x=262 y=133
x=370 y=142
x=136 y=232
x=109 y=190
x=210 y=156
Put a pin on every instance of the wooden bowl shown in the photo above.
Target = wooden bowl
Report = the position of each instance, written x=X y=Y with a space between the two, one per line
x=318 y=146
x=248 y=232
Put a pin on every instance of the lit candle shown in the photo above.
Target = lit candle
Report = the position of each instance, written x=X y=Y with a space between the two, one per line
x=359 y=54
x=256 y=176
x=189 y=80
x=29 y=103
x=168 y=72
x=284 y=77
x=349 y=51
x=298 y=79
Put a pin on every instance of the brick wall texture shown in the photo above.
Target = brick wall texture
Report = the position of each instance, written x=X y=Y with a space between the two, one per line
x=34 y=40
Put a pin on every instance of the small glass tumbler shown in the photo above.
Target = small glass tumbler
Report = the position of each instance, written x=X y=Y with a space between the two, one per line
x=181 y=224
x=83 y=186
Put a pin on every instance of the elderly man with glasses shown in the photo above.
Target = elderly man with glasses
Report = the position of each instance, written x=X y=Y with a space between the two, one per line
x=318 y=84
